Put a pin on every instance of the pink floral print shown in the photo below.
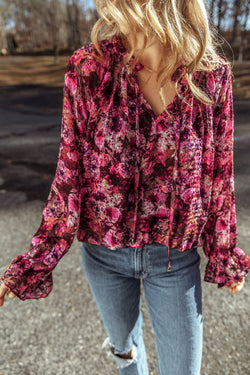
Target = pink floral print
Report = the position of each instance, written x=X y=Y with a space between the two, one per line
x=126 y=177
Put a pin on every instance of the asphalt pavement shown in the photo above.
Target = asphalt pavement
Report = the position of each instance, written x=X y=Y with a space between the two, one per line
x=63 y=334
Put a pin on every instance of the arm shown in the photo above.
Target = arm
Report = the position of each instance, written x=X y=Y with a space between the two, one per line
x=227 y=264
x=29 y=276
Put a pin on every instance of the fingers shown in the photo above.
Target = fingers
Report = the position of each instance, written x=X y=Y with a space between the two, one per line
x=4 y=290
x=232 y=289
x=235 y=288
x=10 y=294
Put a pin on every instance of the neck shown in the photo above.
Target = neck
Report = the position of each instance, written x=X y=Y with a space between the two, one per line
x=151 y=57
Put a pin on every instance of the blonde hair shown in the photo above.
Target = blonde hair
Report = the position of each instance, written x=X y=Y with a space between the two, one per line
x=183 y=26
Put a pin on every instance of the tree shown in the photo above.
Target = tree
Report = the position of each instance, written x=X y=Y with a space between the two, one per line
x=66 y=24
x=237 y=9
x=212 y=8
x=3 y=36
x=246 y=13
x=222 y=11
x=74 y=23
x=53 y=16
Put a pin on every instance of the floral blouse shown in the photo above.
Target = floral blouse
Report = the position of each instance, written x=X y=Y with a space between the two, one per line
x=126 y=177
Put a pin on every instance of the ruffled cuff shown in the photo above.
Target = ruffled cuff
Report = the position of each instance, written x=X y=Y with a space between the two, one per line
x=29 y=286
x=227 y=269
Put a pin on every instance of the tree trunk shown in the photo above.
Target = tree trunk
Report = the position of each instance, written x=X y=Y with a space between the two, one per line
x=237 y=11
x=70 y=21
x=220 y=15
x=212 y=6
x=246 y=20
x=77 y=32
x=3 y=37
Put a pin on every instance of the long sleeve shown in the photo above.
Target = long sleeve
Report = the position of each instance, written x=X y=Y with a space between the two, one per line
x=227 y=263
x=29 y=276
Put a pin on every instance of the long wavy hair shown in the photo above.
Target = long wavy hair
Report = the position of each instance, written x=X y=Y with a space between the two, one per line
x=182 y=26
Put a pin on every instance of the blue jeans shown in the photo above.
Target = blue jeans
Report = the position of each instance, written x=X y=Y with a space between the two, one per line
x=173 y=299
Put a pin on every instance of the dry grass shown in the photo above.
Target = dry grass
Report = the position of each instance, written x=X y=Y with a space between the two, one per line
x=241 y=83
x=43 y=70
x=38 y=70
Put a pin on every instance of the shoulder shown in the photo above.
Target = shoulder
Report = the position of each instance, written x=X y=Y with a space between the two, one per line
x=218 y=69
x=222 y=77
x=216 y=80
x=87 y=65
x=86 y=59
x=222 y=73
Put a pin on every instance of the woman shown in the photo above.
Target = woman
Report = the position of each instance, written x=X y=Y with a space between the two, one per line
x=144 y=177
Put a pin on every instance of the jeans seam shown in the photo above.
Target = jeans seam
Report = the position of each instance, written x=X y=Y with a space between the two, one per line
x=136 y=273
x=147 y=262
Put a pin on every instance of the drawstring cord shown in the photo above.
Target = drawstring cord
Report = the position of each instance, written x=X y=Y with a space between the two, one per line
x=177 y=142
x=170 y=227
x=173 y=192
x=137 y=168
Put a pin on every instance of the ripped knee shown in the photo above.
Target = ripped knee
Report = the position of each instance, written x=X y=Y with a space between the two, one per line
x=128 y=355
x=121 y=359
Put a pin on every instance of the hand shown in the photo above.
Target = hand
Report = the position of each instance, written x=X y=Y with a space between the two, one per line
x=234 y=288
x=4 y=290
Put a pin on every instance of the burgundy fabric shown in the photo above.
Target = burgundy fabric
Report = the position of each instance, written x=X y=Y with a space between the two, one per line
x=126 y=177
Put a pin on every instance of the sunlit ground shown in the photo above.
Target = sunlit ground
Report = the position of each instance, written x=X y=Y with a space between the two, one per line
x=38 y=70
x=45 y=71
x=241 y=84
